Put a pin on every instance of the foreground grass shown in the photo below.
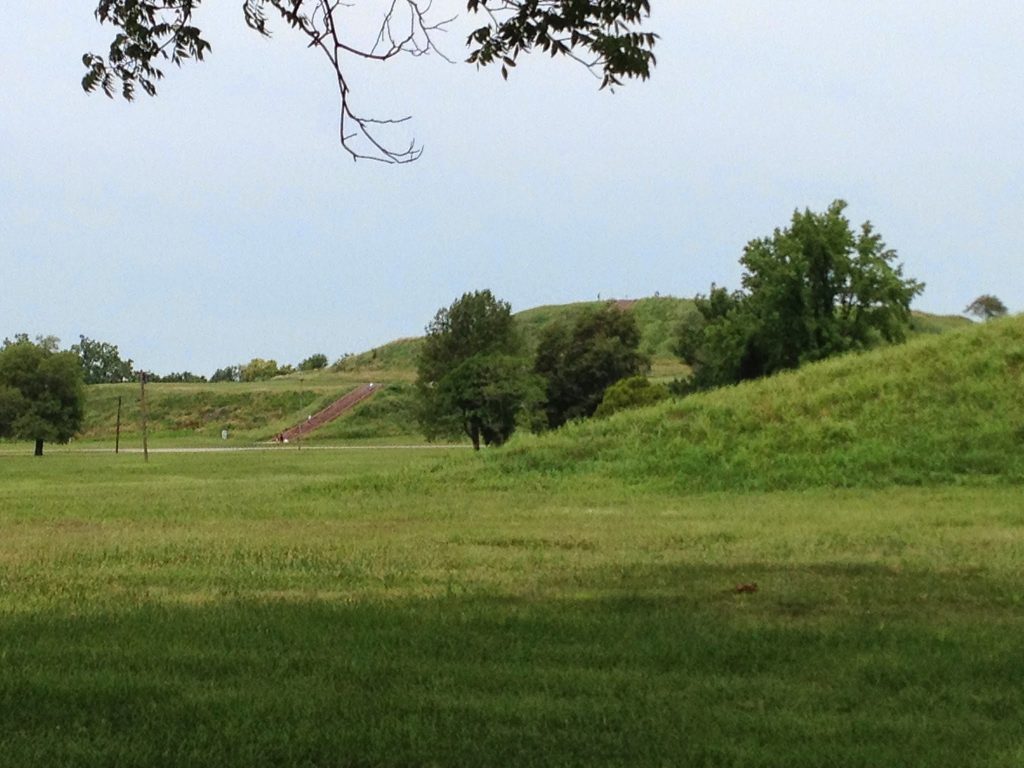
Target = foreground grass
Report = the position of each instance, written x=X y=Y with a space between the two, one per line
x=353 y=608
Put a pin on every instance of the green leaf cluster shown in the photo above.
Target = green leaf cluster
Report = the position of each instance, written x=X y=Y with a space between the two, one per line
x=178 y=377
x=604 y=34
x=810 y=291
x=227 y=373
x=149 y=32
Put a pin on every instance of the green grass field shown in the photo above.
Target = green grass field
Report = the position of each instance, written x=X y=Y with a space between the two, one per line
x=354 y=607
x=570 y=599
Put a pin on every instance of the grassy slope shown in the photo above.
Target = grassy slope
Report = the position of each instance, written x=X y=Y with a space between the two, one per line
x=394 y=361
x=200 y=411
x=922 y=323
x=390 y=413
x=936 y=409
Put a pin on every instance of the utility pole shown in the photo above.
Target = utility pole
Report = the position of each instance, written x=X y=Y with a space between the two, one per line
x=117 y=437
x=142 y=404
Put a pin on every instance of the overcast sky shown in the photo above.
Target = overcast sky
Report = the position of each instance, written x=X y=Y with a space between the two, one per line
x=221 y=220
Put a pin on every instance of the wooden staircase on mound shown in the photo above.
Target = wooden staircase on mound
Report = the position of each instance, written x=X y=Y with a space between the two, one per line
x=330 y=413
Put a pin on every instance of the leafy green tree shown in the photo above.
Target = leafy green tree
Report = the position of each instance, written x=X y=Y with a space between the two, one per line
x=314 y=362
x=42 y=396
x=101 y=362
x=471 y=374
x=634 y=392
x=810 y=291
x=580 y=359
x=487 y=393
x=606 y=35
x=259 y=369
x=985 y=307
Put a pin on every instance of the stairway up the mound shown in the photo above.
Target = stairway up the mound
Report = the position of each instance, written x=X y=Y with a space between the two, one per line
x=330 y=413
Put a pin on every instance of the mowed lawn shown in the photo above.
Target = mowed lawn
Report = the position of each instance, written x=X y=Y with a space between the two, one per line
x=357 y=608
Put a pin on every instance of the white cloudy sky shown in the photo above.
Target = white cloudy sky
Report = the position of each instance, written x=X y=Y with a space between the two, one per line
x=221 y=220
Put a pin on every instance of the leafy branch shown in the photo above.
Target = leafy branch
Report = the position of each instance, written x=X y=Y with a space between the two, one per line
x=604 y=35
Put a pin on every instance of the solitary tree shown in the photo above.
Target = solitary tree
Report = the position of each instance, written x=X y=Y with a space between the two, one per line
x=985 y=307
x=42 y=396
x=605 y=35
x=810 y=291
x=578 y=360
x=259 y=369
x=101 y=362
x=472 y=377
x=486 y=393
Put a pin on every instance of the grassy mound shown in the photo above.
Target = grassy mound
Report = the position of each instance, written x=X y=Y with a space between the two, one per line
x=938 y=409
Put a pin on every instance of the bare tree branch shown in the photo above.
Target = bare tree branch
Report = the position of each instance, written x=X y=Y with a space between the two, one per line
x=152 y=31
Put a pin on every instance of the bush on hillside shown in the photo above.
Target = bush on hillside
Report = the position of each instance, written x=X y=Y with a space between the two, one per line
x=314 y=362
x=634 y=392
x=259 y=369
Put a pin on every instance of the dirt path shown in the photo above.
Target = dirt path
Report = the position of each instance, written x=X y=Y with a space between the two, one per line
x=330 y=413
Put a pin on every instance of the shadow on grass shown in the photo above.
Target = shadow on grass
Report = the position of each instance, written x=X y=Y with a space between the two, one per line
x=625 y=680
